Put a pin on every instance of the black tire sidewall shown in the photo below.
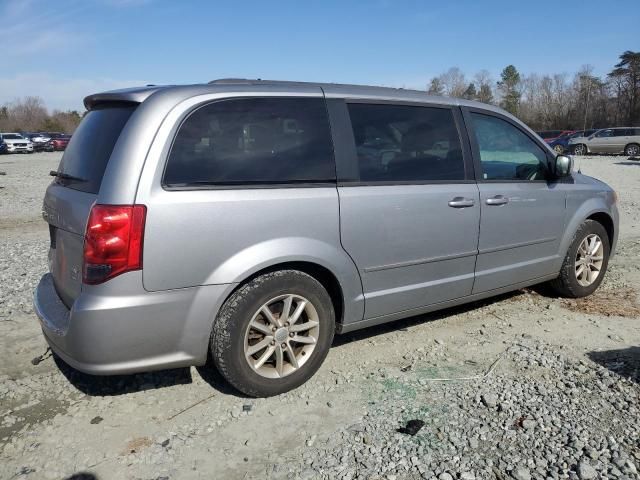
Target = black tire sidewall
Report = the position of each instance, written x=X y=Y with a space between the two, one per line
x=227 y=345
x=627 y=148
x=587 y=228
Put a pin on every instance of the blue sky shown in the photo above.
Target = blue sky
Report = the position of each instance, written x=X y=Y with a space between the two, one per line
x=63 y=50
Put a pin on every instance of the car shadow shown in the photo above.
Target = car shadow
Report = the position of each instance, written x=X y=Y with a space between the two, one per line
x=113 y=385
x=625 y=361
x=633 y=161
x=403 y=324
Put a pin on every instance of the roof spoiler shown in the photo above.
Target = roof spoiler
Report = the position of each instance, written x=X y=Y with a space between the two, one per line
x=130 y=95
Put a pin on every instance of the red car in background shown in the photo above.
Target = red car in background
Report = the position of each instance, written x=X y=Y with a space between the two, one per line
x=59 y=141
x=551 y=135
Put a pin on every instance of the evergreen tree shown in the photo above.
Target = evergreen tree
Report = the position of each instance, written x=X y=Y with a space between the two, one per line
x=508 y=86
x=485 y=95
x=470 y=93
x=436 y=87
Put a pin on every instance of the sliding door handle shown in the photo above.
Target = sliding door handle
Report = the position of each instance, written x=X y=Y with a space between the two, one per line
x=497 y=200
x=461 y=202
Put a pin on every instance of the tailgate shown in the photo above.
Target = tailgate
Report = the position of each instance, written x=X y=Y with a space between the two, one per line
x=66 y=210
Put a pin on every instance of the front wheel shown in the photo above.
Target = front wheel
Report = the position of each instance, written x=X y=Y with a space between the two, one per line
x=586 y=262
x=559 y=149
x=273 y=333
x=580 y=149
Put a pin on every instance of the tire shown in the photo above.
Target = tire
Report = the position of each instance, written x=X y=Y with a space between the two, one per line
x=569 y=283
x=559 y=149
x=580 y=149
x=232 y=334
x=632 y=150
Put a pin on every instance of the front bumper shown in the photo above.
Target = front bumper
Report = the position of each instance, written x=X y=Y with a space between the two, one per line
x=119 y=328
x=19 y=149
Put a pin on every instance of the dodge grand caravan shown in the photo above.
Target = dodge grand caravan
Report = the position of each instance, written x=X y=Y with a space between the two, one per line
x=249 y=221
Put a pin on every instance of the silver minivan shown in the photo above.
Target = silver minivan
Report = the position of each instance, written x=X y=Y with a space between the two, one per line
x=614 y=141
x=249 y=221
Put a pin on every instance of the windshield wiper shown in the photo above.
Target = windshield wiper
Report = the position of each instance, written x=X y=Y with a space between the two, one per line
x=66 y=176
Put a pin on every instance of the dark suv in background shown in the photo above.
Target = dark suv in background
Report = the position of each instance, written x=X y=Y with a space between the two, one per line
x=561 y=144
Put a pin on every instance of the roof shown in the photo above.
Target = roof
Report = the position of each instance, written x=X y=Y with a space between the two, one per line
x=330 y=90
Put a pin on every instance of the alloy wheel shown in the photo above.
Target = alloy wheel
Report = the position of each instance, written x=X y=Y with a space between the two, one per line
x=589 y=260
x=281 y=336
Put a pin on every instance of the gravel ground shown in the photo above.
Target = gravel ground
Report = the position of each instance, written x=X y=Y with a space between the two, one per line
x=521 y=386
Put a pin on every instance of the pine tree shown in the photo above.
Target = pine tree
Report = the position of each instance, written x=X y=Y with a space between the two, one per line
x=470 y=93
x=485 y=95
x=508 y=86
x=436 y=87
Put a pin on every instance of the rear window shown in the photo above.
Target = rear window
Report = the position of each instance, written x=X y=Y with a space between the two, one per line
x=253 y=141
x=88 y=152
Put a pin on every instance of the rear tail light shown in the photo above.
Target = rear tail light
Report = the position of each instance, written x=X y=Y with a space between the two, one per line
x=113 y=241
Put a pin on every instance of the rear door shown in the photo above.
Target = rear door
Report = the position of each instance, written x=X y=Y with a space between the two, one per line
x=70 y=196
x=409 y=211
x=522 y=213
x=603 y=141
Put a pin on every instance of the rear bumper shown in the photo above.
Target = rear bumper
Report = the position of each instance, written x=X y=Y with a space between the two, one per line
x=118 y=328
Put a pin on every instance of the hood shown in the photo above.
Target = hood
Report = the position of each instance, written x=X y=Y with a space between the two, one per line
x=11 y=141
x=587 y=180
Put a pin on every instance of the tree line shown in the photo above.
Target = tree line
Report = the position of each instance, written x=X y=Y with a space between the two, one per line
x=30 y=114
x=555 y=102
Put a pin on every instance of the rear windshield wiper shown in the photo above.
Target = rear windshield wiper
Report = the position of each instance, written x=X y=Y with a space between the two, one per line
x=66 y=176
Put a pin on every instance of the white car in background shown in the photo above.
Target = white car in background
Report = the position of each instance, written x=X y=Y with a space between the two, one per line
x=16 y=143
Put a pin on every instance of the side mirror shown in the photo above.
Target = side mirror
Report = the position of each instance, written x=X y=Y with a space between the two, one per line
x=562 y=166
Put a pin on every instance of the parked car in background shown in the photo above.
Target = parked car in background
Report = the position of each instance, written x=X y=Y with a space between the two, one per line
x=16 y=143
x=41 y=141
x=550 y=135
x=619 y=140
x=249 y=221
x=561 y=144
x=59 y=141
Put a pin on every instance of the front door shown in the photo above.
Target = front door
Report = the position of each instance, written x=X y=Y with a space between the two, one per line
x=410 y=213
x=522 y=212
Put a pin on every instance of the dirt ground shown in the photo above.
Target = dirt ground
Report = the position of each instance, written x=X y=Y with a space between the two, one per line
x=187 y=423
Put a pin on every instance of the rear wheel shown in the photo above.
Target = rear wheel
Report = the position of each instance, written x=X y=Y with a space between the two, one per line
x=273 y=333
x=559 y=149
x=632 y=150
x=580 y=149
x=586 y=262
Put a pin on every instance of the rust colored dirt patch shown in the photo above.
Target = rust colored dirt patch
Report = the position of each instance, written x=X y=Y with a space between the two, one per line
x=137 y=444
x=621 y=302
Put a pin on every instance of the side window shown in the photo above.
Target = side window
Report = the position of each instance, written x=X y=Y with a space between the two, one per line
x=397 y=143
x=620 y=132
x=506 y=153
x=604 y=133
x=253 y=141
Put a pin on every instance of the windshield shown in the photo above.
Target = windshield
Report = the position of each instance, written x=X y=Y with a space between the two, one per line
x=89 y=149
x=12 y=136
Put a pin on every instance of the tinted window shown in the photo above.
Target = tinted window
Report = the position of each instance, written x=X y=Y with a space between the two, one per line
x=89 y=149
x=506 y=153
x=405 y=143
x=253 y=141
x=604 y=133
x=621 y=132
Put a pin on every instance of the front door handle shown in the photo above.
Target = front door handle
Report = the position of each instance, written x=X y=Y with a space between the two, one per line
x=461 y=202
x=497 y=200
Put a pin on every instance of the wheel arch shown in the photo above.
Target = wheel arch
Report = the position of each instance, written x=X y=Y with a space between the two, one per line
x=319 y=272
x=594 y=209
